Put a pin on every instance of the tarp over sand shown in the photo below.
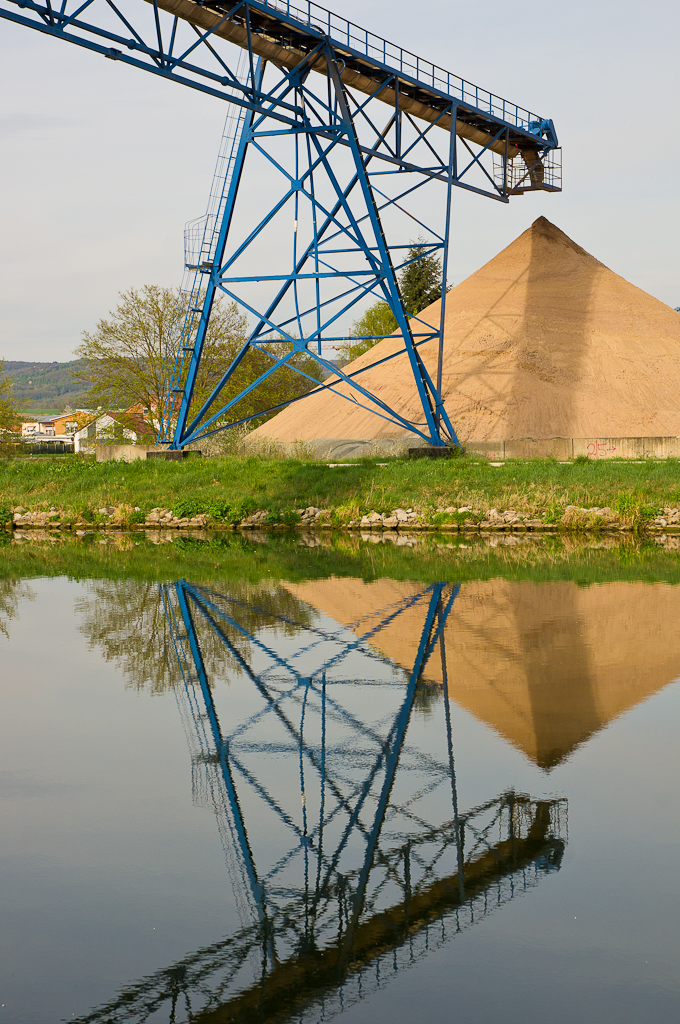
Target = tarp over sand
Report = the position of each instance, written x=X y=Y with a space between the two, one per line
x=546 y=665
x=543 y=341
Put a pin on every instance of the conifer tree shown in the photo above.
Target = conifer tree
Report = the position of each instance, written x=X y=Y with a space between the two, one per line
x=421 y=280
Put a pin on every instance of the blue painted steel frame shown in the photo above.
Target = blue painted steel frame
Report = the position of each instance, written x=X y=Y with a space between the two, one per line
x=178 y=381
x=157 y=53
x=428 y=640
x=380 y=275
x=324 y=42
x=201 y=973
x=222 y=751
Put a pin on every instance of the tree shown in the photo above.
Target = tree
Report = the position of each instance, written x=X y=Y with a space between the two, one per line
x=126 y=620
x=421 y=280
x=124 y=357
x=11 y=593
x=420 y=283
x=10 y=408
x=377 y=322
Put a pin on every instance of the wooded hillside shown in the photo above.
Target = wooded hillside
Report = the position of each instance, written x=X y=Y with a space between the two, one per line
x=45 y=385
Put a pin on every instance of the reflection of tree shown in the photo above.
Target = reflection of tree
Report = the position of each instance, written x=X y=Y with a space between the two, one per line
x=126 y=619
x=11 y=592
x=426 y=697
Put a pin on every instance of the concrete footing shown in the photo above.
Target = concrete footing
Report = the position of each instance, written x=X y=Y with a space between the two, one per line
x=430 y=452
x=174 y=456
x=125 y=452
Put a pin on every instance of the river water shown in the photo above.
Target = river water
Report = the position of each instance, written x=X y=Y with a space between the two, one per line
x=249 y=781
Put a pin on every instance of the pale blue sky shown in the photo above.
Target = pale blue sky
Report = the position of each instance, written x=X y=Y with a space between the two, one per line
x=102 y=164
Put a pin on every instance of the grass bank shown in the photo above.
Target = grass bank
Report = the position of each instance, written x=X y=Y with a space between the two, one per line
x=229 y=489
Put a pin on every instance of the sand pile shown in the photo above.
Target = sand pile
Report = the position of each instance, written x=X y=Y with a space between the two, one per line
x=543 y=341
x=547 y=665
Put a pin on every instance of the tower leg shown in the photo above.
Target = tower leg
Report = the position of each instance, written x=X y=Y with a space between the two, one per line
x=390 y=285
x=213 y=280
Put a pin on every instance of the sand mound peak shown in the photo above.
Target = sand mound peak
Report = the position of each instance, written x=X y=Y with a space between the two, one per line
x=544 y=238
x=544 y=229
x=542 y=341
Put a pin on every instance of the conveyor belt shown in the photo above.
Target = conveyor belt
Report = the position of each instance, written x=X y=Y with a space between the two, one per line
x=285 y=35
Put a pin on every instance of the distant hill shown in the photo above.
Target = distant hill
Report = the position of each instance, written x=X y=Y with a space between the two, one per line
x=45 y=385
x=48 y=387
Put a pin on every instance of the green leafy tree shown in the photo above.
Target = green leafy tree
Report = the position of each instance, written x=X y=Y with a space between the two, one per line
x=11 y=409
x=421 y=280
x=377 y=322
x=284 y=385
x=420 y=283
x=123 y=359
x=126 y=620
x=11 y=593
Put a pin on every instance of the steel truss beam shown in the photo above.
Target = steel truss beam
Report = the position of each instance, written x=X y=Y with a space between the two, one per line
x=356 y=190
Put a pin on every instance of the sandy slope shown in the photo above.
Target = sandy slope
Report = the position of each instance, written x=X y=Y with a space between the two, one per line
x=543 y=341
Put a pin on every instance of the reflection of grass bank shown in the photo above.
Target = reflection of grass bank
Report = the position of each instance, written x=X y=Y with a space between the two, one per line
x=538 y=488
x=288 y=557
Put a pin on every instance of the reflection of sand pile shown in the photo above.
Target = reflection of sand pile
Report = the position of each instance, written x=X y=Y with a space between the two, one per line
x=546 y=665
x=543 y=341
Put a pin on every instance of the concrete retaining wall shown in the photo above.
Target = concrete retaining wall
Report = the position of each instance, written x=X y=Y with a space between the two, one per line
x=124 y=452
x=566 y=448
x=331 y=448
x=562 y=448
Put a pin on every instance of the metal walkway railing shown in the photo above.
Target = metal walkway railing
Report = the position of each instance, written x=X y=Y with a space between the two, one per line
x=343 y=33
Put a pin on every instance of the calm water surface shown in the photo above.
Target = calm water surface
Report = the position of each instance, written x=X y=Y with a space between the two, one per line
x=378 y=800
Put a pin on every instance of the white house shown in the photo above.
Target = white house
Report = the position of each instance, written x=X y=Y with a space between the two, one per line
x=111 y=428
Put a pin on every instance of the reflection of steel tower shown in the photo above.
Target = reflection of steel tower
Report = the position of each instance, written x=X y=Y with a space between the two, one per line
x=371 y=864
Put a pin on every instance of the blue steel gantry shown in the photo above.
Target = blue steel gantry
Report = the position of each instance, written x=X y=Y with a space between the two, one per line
x=354 y=145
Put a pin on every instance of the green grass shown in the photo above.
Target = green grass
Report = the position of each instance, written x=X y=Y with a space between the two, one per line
x=238 y=557
x=241 y=485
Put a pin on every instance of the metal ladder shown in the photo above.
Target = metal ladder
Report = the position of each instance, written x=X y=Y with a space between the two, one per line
x=200 y=242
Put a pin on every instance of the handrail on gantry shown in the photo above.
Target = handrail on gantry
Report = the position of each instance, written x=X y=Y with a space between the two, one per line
x=343 y=32
x=285 y=33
